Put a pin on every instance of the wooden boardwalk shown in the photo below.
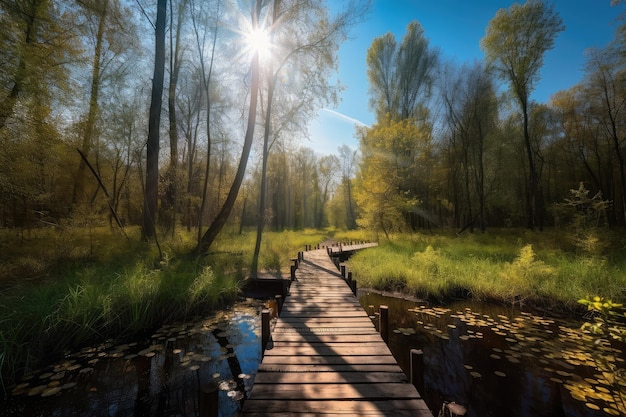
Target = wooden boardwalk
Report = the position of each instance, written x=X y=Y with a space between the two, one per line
x=325 y=356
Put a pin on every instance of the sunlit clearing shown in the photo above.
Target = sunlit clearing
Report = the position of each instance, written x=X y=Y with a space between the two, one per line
x=258 y=40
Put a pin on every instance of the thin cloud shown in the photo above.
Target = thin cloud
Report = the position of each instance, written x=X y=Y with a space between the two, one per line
x=345 y=117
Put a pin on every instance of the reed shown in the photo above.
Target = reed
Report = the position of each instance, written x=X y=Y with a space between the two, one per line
x=510 y=266
x=68 y=288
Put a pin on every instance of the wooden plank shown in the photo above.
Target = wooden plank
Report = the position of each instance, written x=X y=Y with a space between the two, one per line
x=354 y=349
x=329 y=360
x=330 y=391
x=290 y=337
x=363 y=319
x=281 y=367
x=337 y=407
x=325 y=356
x=312 y=324
x=328 y=377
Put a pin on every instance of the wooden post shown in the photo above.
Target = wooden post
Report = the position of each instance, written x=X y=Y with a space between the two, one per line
x=383 y=324
x=353 y=286
x=417 y=369
x=208 y=404
x=279 y=304
x=293 y=272
x=342 y=268
x=349 y=278
x=265 y=329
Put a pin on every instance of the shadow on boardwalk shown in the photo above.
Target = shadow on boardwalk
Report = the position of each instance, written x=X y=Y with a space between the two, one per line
x=326 y=357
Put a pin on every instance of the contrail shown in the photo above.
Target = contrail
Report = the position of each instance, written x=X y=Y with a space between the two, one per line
x=344 y=117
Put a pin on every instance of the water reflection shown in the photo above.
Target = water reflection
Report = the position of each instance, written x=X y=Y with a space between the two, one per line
x=502 y=361
x=160 y=377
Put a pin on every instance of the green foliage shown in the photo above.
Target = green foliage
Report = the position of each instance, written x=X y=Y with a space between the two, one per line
x=102 y=286
x=395 y=154
x=400 y=76
x=516 y=40
x=527 y=272
x=608 y=321
x=511 y=266
x=609 y=318
x=585 y=219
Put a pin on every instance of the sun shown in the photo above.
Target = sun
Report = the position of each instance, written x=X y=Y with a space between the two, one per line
x=259 y=41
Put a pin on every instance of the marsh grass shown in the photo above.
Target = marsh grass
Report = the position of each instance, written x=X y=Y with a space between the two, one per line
x=68 y=288
x=510 y=266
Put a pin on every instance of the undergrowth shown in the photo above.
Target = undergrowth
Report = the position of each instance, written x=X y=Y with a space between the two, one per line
x=510 y=266
x=64 y=289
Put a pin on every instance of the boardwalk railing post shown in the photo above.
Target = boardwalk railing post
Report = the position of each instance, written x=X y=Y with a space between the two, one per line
x=383 y=325
x=349 y=278
x=293 y=272
x=417 y=369
x=353 y=286
x=208 y=404
x=265 y=329
x=279 y=304
x=342 y=268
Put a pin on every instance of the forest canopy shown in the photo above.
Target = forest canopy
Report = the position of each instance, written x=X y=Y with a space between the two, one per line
x=89 y=137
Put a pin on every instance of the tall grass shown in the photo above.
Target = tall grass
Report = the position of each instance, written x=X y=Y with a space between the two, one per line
x=516 y=267
x=66 y=289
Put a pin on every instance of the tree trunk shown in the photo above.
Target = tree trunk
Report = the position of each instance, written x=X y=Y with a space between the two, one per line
x=220 y=220
x=263 y=192
x=532 y=198
x=206 y=80
x=79 y=182
x=152 y=144
x=175 y=62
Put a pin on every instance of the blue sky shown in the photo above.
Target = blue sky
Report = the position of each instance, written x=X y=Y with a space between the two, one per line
x=455 y=27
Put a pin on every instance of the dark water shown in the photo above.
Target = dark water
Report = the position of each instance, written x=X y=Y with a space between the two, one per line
x=500 y=361
x=160 y=377
x=496 y=361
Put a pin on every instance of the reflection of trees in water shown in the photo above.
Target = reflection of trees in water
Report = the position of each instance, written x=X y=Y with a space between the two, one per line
x=160 y=379
x=177 y=390
x=233 y=361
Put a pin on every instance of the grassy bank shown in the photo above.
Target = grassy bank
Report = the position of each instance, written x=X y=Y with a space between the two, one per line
x=509 y=266
x=60 y=290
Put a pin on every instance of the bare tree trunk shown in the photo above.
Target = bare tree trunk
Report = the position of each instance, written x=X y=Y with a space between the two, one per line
x=220 y=220
x=152 y=144
x=206 y=80
x=266 y=138
x=175 y=63
x=79 y=182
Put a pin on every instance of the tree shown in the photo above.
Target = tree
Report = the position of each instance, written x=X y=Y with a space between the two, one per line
x=112 y=34
x=471 y=112
x=400 y=77
x=328 y=168
x=176 y=60
x=606 y=93
x=515 y=43
x=154 y=123
x=389 y=191
x=220 y=220
x=308 y=50
x=348 y=160
x=206 y=74
x=36 y=46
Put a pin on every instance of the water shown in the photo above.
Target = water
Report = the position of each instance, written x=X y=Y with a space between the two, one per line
x=497 y=361
x=159 y=377
x=500 y=361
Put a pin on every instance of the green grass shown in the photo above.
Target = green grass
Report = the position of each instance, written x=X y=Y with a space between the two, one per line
x=509 y=266
x=64 y=289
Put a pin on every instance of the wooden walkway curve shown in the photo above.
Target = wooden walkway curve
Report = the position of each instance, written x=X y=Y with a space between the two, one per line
x=325 y=356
